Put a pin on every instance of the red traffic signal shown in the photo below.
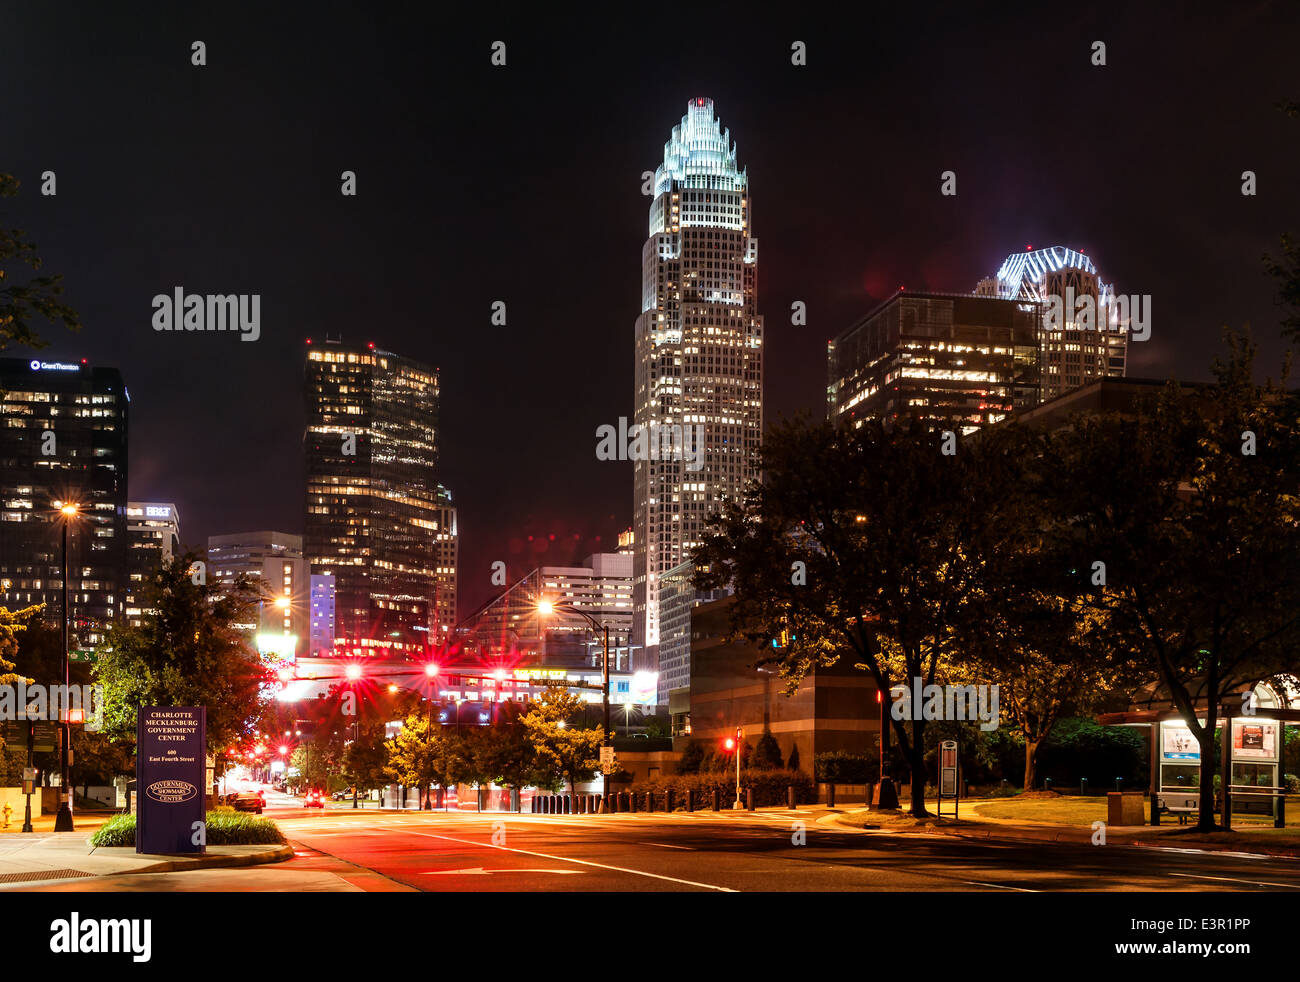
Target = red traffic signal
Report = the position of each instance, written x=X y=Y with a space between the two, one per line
x=729 y=744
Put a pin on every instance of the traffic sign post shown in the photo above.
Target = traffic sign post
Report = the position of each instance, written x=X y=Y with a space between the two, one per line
x=949 y=781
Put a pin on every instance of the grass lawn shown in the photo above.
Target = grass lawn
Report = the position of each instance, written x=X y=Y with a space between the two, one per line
x=1060 y=810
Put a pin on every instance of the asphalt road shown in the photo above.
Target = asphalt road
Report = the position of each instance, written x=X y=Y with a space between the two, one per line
x=339 y=849
x=714 y=852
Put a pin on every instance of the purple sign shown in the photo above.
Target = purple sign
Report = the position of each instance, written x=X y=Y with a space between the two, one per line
x=170 y=758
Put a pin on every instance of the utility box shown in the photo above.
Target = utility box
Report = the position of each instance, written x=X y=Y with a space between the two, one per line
x=1124 y=808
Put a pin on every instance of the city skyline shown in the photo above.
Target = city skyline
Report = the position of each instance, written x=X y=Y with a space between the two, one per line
x=844 y=227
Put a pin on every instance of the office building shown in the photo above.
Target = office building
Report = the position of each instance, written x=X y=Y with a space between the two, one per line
x=936 y=357
x=374 y=508
x=274 y=562
x=63 y=442
x=511 y=629
x=699 y=356
x=447 y=560
x=321 y=629
x=1075 y=350
x=153 y=531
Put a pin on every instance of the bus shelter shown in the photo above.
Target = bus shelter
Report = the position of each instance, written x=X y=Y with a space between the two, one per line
x=1252 y=758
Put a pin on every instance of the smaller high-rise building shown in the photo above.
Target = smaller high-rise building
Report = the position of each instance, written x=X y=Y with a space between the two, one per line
x=63 y=443
x=936 y=357
x=511 y=625
x=275 y=560
x=153 y=530
x=446 y=559
x=322 y=630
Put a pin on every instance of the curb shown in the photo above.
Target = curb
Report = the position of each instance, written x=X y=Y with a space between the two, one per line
x=276 y=855
x=1074 y=837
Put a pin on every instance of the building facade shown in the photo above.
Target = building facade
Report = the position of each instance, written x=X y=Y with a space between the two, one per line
x=447 y=562
x=936 y=357
x=511 y=627
x=699 y=356
x=1076 y=349
x=63 y=441
x=374 y=508
x=321 y=629
x=274 y=560
x=153 y=530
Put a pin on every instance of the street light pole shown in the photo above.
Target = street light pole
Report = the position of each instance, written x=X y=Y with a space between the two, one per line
x=606 y=740
x=63 y=821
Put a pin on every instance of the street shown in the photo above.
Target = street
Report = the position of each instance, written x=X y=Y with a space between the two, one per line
x=341 y=849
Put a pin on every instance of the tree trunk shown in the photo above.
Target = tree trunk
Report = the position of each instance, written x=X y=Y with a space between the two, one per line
x=1205 y=819
x=916 y=757
x=1031 y=762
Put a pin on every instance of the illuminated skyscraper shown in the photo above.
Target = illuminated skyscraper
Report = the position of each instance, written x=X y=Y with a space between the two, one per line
x=374 y=509
x=1074 y=352
x=936 y=357
x=699 y=355
x=63 y=439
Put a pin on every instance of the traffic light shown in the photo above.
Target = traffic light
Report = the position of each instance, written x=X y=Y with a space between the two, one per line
x=729 y=744
x=353 y=671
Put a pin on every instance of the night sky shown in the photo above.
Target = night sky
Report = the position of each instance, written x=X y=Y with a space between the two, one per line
x=522 y=184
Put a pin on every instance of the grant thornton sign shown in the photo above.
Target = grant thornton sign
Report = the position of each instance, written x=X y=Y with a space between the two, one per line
x=171 y=744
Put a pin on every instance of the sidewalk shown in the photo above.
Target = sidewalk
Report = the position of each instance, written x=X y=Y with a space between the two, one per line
x=64 y=856
x=1167 y=835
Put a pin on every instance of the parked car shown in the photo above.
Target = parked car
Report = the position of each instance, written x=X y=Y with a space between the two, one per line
x=342 y=795
x=248 y=801
x=313 y=799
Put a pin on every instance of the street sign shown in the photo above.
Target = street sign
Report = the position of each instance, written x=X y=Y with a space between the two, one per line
x=81 y=655
x=606 y=759
x=169 y=772
x=948 y=769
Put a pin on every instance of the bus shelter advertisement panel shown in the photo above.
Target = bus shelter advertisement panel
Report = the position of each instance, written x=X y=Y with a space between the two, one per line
x=170 y=758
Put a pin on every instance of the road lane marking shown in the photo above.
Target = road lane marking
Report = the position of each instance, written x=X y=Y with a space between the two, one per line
x=581 y=862
x=998 y=886
x=1233 y=879
x=665 y=845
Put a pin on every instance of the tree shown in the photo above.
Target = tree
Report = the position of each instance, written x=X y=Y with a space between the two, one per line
x=503 y=752
x=13 y=623
x=767 y=755
x=38 y=297
x=1194 y=507
x=411 y=756
x=866 y=543
x=188 y=653
x=1286 y=270
x=95 y=757
x=793 y=763
x=563 y=751
x=692 y=758
x=365 y=764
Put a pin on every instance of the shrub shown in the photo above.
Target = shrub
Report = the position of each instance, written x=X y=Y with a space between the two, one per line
x=117 y=831
x=1292 y=784
x=225 y=828
x=767 y=755
x=692 y=758
x=242 y=829
x=839 y=767
x=769 y=787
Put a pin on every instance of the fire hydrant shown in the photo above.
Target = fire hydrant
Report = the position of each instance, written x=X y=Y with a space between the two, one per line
x=8 y=810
